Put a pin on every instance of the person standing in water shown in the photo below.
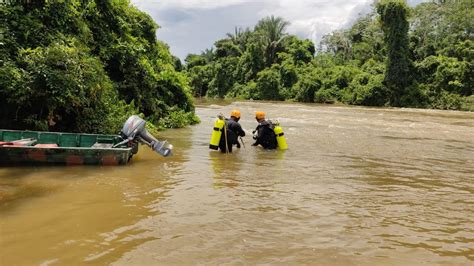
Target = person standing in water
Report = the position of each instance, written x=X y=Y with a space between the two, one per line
x=264 y=134
x=231 y=132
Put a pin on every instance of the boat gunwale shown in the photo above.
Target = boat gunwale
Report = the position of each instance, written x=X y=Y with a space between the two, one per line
x=121 y=147
x=68 y=148
x=57 y=132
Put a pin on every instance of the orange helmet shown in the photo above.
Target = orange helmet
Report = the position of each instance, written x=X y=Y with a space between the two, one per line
x=235 y=113
x=260 y=115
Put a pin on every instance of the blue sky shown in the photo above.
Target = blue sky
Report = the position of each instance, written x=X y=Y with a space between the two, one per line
x=191 y=26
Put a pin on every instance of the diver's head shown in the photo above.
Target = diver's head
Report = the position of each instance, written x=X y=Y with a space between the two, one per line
x=235 y=114
x=260 y=116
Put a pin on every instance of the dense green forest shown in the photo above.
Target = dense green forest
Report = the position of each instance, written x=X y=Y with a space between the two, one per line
x=85 y=66
x=394 y=56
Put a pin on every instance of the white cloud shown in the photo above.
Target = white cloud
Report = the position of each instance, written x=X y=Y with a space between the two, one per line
x=312 y=19
x=190 y=26
x=187 y=4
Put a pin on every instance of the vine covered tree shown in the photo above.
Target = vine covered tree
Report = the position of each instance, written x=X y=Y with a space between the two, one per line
x=398 y=75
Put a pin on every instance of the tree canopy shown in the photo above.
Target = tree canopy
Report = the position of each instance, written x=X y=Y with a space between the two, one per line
x=84 y=66
x=394 y=56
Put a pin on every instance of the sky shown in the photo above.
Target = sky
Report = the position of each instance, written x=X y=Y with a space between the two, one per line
x=191 y=26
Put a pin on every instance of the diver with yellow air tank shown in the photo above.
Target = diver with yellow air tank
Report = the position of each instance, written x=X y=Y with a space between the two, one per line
x=282 y=145
x=269 y=135
x=226 y=132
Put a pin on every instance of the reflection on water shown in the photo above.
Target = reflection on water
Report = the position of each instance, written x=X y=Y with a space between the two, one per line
x=226 y=169
x=358 y=186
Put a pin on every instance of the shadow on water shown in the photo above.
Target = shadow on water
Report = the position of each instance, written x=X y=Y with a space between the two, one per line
x=14 y=194
x=17 y=186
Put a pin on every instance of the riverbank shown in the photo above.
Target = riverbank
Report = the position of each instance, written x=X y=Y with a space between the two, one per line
x=467 y=106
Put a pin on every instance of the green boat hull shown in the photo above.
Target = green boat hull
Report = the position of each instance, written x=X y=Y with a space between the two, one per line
x=35 y=147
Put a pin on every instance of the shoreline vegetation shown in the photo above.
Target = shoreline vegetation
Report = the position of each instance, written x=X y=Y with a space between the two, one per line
x=204 y=101
x=395 y=56
x=85 y=66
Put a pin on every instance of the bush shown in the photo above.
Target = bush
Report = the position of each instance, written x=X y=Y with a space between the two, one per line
x=268 y=85
x=59 y=88
x=447 y=101
x=178 y=119
x=306 y=87
x=324 y=96
x=238 y=91
x=468 y=104
x=366 y=89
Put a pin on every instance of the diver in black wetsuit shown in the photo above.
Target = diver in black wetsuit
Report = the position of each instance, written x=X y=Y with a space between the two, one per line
x=231 y=131
x=264 y=134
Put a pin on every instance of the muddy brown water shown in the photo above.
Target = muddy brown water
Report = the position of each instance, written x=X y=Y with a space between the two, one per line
x=358 y=186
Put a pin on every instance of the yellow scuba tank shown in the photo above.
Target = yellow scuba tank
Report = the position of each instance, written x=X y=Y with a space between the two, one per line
x=282 y=145
x=216 y=133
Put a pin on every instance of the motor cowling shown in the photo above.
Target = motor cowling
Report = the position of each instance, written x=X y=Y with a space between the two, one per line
x=134 y=131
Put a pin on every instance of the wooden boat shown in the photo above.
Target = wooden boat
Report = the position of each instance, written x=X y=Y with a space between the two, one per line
x=35 y=147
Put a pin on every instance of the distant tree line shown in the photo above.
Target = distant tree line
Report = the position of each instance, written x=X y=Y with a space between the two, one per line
x=84 y=66
x=394 y=56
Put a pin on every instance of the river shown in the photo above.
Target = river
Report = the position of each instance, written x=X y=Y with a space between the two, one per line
x=357 y=186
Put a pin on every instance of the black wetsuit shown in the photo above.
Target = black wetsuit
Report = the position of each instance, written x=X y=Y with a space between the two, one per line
x=233 y=131
x=265 y=135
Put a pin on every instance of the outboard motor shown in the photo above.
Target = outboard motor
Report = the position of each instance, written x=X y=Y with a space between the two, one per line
x=134 y=130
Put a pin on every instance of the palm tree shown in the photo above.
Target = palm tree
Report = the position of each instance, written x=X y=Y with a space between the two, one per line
x=235 y=37
x=272 y=32
x=240 y=37
x=208 y=55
